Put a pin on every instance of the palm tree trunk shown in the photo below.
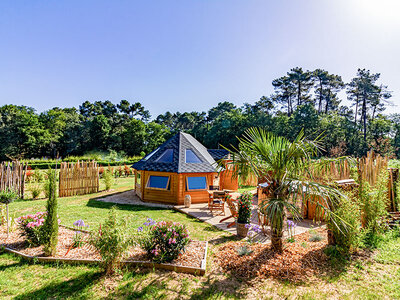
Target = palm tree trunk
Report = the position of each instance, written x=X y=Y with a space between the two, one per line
x=276 y=239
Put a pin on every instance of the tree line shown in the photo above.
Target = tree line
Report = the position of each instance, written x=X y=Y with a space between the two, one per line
x=302 y=99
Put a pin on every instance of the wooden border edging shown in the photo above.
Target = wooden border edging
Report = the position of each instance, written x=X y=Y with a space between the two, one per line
x=147 y=264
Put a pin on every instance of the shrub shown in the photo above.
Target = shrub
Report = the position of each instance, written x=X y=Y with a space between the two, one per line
x=346 y=233
x=112 y=241
x=244 y=207
x=163 y=241
x=244 y=250
x=373 y=202
x=36 y=190
x=108 y=179
x=50 y=226
x=32 y=227
x=315 y=237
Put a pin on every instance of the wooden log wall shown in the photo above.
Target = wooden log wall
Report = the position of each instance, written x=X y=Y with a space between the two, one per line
x=13 y=176
x=78 y=178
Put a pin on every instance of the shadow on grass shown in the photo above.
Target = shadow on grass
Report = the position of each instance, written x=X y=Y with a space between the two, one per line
x=107 y=205
x=70 y=288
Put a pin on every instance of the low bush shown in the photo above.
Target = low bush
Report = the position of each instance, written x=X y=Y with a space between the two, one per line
x=32 y=228
x=163 y=241
x=244 y=207
x=347 y=229
x=108 y=179
x=36 y=190
x=112 y=240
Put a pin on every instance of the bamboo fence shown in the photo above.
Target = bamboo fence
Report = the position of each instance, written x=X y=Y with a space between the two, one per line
x=78 y=178
x=12 y=176
x=370 y=166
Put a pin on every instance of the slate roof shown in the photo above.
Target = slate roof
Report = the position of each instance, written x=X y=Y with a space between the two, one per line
x=218 y=154
x=179 y=143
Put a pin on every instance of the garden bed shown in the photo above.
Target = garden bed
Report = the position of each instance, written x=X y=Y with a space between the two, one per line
x=193 y=260
x=299 y=261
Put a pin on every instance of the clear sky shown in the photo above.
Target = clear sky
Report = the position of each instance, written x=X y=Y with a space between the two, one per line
x=189 y=54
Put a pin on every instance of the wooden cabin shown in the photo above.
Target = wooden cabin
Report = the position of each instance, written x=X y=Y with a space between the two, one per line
x=179 y=167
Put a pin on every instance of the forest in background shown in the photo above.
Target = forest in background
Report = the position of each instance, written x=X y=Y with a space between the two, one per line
x=302 y=99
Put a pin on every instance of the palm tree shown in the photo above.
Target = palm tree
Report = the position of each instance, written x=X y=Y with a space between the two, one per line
x=289 y=169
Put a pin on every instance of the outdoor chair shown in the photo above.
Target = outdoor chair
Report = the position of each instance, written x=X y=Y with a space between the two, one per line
x=216 y=202
x=233 y=209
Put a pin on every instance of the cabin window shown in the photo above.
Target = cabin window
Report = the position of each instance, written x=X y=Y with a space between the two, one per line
x=196 y=183
x=158 y=182
x=166 y=157
x=191 y=157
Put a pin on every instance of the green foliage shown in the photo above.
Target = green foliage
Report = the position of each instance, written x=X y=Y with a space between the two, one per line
x=112 y=240
x=373 y=203
x=315 y=237
x=7 y=196
x=32 y=226
x=36 y=190
x=244 y=208
x=244 y=250
x=50 y=226
x=347 y=226
x=108 y=179
x=163 y=241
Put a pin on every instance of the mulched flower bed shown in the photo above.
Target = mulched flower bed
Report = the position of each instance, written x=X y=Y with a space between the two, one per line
x=192 y=257
x=299 y=260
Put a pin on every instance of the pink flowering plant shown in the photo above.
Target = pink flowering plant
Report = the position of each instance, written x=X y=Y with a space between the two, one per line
x=163 y=241
x=32 y=227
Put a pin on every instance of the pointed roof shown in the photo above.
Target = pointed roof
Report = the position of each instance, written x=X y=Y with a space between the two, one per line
x=182 y=144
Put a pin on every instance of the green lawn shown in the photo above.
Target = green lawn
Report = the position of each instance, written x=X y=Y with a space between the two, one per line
x=94 y=212
x=376 y=277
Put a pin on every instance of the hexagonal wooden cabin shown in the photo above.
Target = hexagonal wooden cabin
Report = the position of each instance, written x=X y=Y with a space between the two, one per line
x=179 y=167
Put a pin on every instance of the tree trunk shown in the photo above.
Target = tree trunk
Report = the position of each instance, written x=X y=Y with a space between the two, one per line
x=355 y=116
x=364 y=117
x=299 y=93
x=320 y=97
x=328 y=99
x=276 y=240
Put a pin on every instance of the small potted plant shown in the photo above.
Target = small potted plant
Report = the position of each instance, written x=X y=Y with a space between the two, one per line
x=244 y=213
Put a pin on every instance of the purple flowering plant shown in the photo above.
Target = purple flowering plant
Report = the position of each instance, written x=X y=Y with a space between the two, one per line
x=163 y=241
x=291 y=229
x=252 y=233
x=78 y=239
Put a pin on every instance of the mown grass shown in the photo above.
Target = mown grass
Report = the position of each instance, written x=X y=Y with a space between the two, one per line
x=93 y=212
x=373 y=278
x=361 y=279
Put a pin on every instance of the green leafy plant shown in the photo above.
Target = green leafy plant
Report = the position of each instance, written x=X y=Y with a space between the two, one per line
x=108 y=179
x=244 y=250
x=288 y=167
x=244 y=208
x=6 y=197
x=112 y=241
x=163 y=241
x=50 y=226
x=36 y=190
x=32 y=228
x=373 y=203
x=315 y=237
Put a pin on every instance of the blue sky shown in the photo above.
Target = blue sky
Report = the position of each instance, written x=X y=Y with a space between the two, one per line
x=186 y=55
